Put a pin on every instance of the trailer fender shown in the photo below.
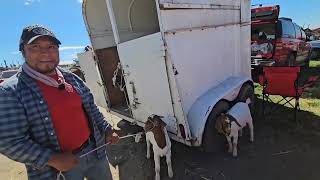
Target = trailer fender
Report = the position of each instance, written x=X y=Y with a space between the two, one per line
x=200 y=110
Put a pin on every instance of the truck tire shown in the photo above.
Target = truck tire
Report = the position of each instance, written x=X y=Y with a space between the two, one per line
x=246 y=92
x=212 y=141
x=317 y=57
x=307 y=62
x=315 y=54
x=291 y=59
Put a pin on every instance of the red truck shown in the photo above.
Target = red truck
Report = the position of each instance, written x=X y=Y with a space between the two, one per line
x=277 y=41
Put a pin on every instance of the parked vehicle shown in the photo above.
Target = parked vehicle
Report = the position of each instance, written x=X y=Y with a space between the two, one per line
x=277 y=41
x=7 y=74
x=186 y=60
x=315 y=49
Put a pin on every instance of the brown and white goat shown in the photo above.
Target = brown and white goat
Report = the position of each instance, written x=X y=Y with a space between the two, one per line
x=232 y=123
x=157 y=135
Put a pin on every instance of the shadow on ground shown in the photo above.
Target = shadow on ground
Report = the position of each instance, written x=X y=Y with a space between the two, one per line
x=313 y=92
x=281 y=151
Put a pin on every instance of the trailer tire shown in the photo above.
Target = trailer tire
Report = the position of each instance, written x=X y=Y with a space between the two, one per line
x=307 y=61
x=291 y=59
x=246 y=92
x=211 y=140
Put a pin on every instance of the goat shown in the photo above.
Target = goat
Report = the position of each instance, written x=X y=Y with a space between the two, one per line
x=157 y=135
x=231 y=124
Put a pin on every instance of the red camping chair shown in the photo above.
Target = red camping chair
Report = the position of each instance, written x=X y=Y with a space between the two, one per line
x=283 y=81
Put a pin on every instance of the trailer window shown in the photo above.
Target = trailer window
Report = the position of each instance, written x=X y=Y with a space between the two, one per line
x=298 y=31
x=135 y=19
x=263 y=32
x=288 y=29
x=303 y=36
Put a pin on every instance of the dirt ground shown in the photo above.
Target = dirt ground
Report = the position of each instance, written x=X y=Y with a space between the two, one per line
x=281 y=151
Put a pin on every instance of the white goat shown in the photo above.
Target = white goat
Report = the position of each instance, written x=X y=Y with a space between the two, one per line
x=231 y=124
x=157 y=135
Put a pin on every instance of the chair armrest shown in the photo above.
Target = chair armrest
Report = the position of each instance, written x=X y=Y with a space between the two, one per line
x=262 y=80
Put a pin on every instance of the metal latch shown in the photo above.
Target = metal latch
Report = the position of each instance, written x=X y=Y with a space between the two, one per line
x=135 y=101
x=133 y=88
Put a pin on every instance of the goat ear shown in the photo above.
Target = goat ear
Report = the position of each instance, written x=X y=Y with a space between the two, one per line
x=147 y=127
x=163 y=124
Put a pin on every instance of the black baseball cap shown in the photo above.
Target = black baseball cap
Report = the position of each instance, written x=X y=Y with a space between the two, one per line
x=31 y=33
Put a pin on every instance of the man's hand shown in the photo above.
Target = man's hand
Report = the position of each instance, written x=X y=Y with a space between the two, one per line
x=63 y=161
x=112 y=137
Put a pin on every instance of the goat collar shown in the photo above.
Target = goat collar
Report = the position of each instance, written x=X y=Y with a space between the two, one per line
x=232 y=119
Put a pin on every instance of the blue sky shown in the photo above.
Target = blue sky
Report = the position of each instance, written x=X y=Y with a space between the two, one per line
x=64 y=17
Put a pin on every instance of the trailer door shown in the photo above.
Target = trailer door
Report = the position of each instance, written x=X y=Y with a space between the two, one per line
x=92 y=75
x=146 y=78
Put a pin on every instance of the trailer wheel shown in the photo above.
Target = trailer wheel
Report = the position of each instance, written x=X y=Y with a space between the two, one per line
x=307 y=62
x=291 y=59
x=246 y=92
x=211 y=140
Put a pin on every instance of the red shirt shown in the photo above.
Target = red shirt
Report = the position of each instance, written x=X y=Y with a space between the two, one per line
x=68 y=117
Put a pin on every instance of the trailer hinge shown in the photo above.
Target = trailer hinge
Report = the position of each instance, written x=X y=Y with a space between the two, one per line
x=135 y=103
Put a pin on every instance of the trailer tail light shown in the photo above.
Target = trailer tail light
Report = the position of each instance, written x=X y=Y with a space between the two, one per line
x=182 y=131
x=278 y=49
x=279 y=44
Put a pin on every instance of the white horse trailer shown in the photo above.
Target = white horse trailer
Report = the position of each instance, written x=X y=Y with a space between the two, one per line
x=187 y=60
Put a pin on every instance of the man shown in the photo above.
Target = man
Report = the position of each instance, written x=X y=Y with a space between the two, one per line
x=48 y=117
